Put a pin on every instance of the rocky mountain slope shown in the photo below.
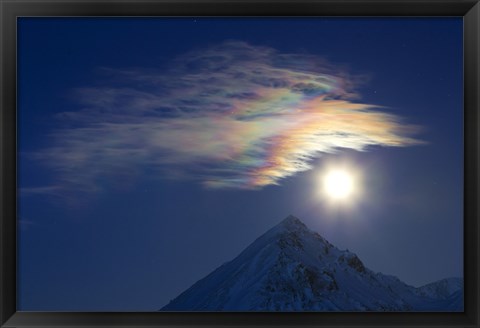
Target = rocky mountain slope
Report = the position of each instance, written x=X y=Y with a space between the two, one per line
x=291 y=268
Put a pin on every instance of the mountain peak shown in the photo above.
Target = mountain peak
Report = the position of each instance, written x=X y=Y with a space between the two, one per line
x=292 y=268
x=292 y=221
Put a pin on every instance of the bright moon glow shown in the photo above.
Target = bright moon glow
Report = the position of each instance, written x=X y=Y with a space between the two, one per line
x=338 y=184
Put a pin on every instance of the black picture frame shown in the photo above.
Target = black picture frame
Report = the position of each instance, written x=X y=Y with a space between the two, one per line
x=10 y=10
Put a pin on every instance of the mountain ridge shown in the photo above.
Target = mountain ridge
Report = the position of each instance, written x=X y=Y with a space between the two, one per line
x=292 y=268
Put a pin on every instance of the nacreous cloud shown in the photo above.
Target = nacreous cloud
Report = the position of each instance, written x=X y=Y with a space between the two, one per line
x=230 y=116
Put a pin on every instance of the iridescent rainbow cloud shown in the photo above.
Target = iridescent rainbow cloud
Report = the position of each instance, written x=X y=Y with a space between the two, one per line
x=229 y=116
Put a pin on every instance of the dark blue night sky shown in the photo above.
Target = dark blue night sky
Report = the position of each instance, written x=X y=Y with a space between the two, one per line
x=137 y=178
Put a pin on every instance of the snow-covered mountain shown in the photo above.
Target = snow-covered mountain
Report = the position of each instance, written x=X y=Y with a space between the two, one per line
x=441 y=289
x=291 y=268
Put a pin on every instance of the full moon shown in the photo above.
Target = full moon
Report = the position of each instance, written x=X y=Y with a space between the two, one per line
x=338 y=184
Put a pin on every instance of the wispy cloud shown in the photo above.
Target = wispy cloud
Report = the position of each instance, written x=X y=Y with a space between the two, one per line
x=25 y=224
x=229 y=116
x=52 y=190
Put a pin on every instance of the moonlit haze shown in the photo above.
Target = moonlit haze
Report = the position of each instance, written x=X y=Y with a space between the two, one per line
x=338 y=184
